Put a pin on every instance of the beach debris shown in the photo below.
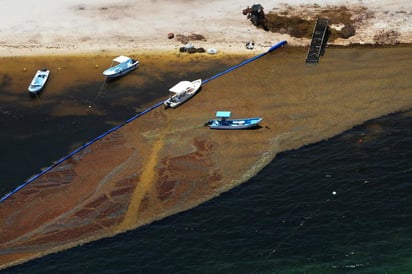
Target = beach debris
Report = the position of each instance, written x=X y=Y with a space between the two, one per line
x=189 y=48
x=170 y=35
x=184 y=39
x=387 y=37
x=250 y=45
x=212 y=51
x=256 y=15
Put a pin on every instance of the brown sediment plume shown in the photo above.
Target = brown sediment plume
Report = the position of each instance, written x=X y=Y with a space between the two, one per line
x=148 y=176
x=167 y=161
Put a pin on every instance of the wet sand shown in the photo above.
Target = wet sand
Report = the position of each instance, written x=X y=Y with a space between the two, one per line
x=167 y=162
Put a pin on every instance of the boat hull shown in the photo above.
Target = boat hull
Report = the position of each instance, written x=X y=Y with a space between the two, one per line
x=39 y=81
x=118 y=71
x=176 y=101
x=233 y=124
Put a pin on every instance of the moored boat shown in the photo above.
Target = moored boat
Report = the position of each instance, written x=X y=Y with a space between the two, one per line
x=181 y=92
x=225 y=123
x=124 y=65
x=39 y=80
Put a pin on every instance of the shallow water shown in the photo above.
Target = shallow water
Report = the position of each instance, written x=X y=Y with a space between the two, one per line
x=304 y=226
x=285 y=220
x=77 y=104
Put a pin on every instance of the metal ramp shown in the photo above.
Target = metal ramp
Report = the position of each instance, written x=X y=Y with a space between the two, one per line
x=319 y=38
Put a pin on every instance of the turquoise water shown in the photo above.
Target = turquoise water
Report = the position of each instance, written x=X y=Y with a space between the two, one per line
x=285 y=220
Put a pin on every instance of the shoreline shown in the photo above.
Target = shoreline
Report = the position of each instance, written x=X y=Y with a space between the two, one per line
x=234 y=48
x=167 y=51
x=72 y=27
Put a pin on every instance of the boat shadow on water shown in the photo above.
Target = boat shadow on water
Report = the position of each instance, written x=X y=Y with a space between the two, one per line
x=250 y=128
x=35 y=96
x=109 y=80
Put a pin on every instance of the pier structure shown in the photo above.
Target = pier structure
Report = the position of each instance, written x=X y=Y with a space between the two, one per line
x=318 y=43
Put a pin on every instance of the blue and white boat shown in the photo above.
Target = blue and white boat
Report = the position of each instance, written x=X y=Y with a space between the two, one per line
x=225 y=123
x=39 y=80
x=125 y=65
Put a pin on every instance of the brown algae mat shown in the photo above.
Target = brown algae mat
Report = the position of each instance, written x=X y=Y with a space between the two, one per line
x=167 y=161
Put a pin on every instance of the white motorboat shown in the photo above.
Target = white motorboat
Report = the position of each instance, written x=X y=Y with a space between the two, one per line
x=181 y=92
x=39 y=80
x=124 y=65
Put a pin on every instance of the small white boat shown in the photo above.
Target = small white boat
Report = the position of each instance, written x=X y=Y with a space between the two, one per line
x=225 y=123
x=125 y=65
x=39 y=80
x=181 y=92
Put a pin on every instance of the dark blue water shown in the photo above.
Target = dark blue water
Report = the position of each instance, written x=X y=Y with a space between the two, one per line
x=338 y=206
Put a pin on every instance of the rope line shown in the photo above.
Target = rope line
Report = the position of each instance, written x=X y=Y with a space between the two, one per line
x=61 y=160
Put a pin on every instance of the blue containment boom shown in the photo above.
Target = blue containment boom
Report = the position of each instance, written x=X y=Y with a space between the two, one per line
x=247 y=61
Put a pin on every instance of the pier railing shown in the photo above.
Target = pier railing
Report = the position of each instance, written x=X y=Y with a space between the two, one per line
x=318 y=43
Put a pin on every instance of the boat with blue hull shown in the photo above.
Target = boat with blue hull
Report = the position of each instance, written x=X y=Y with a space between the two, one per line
x=124 y=65
x=225 y=123
x=39 y=81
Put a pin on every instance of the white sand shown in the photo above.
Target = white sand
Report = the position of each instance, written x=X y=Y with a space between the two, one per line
x=77 y=26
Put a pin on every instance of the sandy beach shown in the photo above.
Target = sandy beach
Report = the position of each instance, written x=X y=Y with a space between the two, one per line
x=76 y=27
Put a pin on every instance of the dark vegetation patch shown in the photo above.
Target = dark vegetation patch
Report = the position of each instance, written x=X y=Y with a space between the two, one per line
x=184 y=39
x=292 y=25
x=387 y=37
x=299 y=22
